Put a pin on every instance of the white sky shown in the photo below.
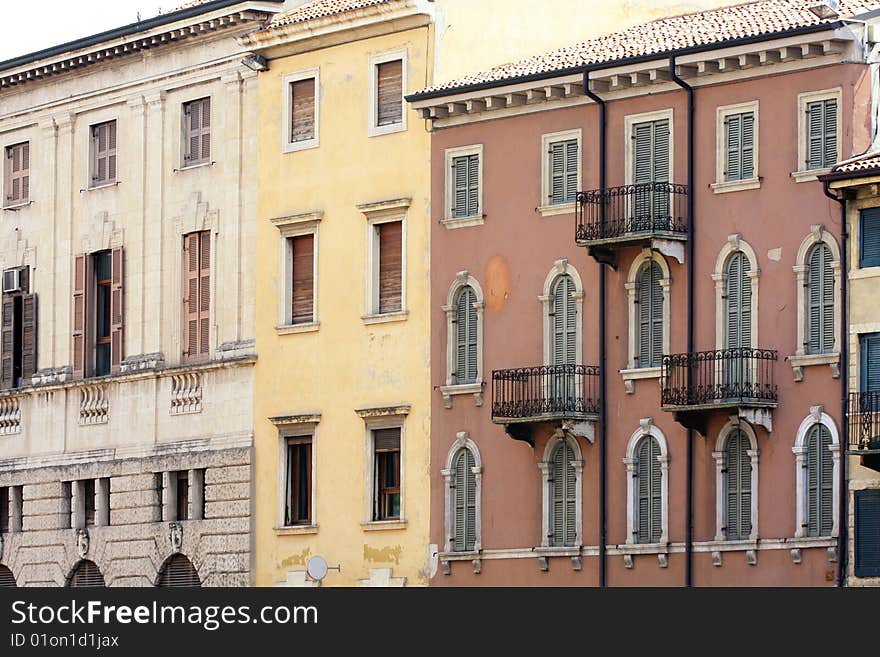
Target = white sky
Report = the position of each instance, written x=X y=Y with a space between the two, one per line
x=29 y=25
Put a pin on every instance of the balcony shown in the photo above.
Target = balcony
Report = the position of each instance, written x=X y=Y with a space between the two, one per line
x=645 y=214
x=527 y=396
x=695 y=385
x=863 y=417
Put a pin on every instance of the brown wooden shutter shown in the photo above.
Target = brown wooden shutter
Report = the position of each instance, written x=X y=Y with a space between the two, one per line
x=389 y=94
x=390 y=266
x=17 y=173
x=104 y=153
x=197 y=132
x=303 y=279
x=81 y=276
x=302 y=119
x=8 y=166
x=28 y=337
x=7 y=326
x=197 y=294
x=116 y=309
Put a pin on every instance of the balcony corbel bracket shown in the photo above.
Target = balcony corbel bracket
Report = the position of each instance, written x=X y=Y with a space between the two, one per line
x=698 y=421
x=760 y=416
x=521 y=432
x=604 y=256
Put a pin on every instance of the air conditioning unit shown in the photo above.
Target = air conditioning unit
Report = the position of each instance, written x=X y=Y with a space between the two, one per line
x=11 y=281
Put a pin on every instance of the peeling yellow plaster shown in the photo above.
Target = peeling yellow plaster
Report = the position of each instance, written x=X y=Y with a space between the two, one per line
x=297 y=559
x=386 y=554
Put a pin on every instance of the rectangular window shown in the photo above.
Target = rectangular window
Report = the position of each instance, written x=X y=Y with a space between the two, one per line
x=563 y=170
x=18 y=324
x=298 y=482
x=867 y=533
x=103 y=155
x=4 y=510
x=302 y=259
x=97 y=313
x=197 y=132
x=303 y=124
x=17 y=174
x=466 y=186
x=389 y=93
x=389 y=269
x=869 y=356
x=197 y=295
x=869 y=237
x=181 y=484
x=821 y=133
x=386 y=469
x=65 y=521
x=88 y=492
x=739 y=146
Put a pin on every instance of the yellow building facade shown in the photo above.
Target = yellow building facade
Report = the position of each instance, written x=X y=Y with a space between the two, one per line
x=342 y=388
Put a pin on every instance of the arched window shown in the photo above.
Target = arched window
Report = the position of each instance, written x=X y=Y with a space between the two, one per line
x=462 y=476
x=737 y=486
x=563 y=322
x=648 y=494
x=464 y=502
x=7 y=579
x=178 y=571
x=738 y=302
x=563 y=491
x=649 y=329
x=819 y=299
x=819 y=488
x=85 y=574
x=465 y=321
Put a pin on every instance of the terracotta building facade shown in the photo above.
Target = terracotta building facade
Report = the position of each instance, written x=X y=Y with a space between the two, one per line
x=636 y=307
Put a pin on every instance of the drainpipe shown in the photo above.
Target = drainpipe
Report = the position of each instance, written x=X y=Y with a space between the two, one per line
x=603 y=432
x=689 y=491
x=843 y=523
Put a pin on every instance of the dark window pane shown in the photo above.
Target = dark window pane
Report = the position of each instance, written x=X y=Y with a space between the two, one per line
x=298 y=498
x=183 y=495
x=89 y=497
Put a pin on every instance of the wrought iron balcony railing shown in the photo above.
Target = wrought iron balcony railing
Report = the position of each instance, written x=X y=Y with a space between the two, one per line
x=722 y=378
x=631 y=212
x=863 y=416
x=546 y=392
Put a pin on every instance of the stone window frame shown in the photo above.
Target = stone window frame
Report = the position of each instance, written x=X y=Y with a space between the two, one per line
x=462 y=441
x=383 y=417
x=560 y=268
x=375 y=214
x=297 y=225
x=801 y=173
x=800 y=358
x=722 y=186
x=817 y=416
x=544 y=465
x=735 y=423
x=295 y=426
x=448 y=220
x=633 y=373
x=546 y=208
x=733 y=244
x=647 y=428
x=463 y=279
x=288 y=146
x=373 y=129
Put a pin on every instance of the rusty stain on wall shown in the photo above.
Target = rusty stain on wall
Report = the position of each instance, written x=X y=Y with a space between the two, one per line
x=297 y=559
x=497 y=283
x=386 y=554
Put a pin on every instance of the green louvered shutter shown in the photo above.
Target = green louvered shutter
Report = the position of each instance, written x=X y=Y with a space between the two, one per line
x=649 y=526
x=643 y=172
x=465 y=503
x=821 y=134
x=738 y=486
x=473 y=182
x=820 y=301
x=870 y=362
x=747 y=146
x=869 y=238
x=661 y=170
x=649 y=297
x=820 y=482
x=564 y=322
x=563 y=171
x=466 y=182
x=740 y=145
x=572 y=164
x=562 y=503
x=465 y=319
x=867 y=533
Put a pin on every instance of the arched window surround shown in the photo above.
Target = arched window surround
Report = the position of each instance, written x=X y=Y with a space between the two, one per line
x=816 y=416
x=632 y=373
x=463 y=279
x=462 y=441
x=560 y=268
x=801 y=359
x=734 y=424
x=646 y=428
x=733 y=244
x=544 y=466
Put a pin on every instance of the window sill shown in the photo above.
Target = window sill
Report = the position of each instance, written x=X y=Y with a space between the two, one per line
x=629 y=376
x=809 y=175
x=868 y=271
x=385 y=318
x=557 y=209
x=800 y=361
x=452 y=223
x=736 y=185
x=567 y=551
x=94 y=188
x=475 y=389
x=643 y=548
x=189 y=167
x=18 y=205
x=383 y=525
x=296 y=530
x=390 y=129
x=304 y=145
x=287 y=329
x=469 y=555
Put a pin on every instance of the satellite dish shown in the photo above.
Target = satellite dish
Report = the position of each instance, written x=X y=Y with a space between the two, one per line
x=317 y=568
